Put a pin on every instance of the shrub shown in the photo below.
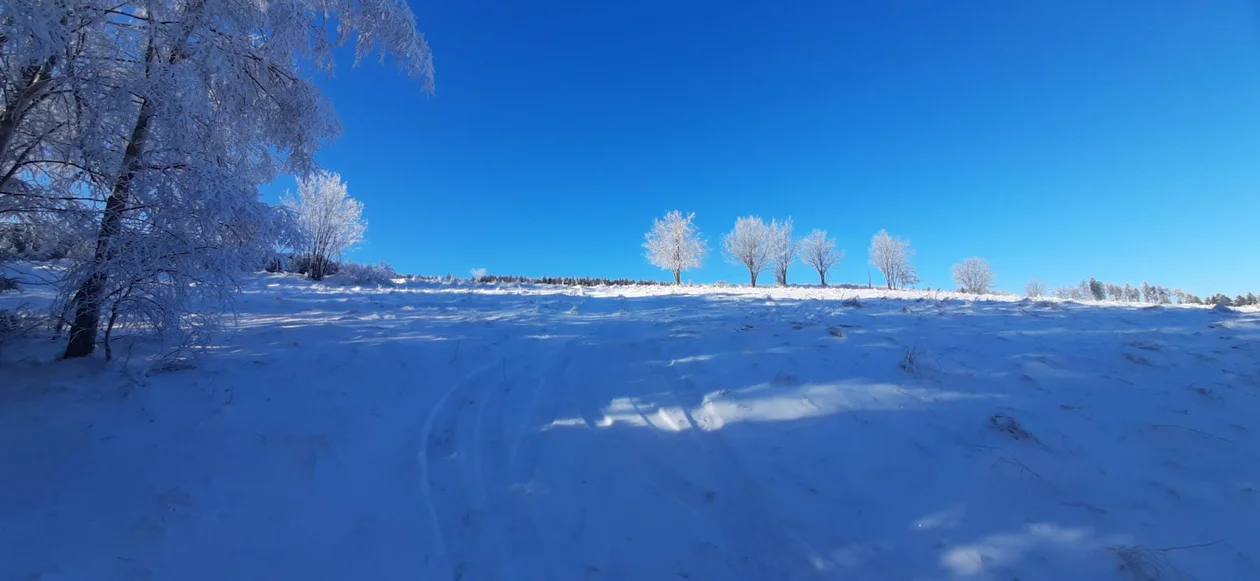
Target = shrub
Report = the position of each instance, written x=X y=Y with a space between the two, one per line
x=379 y=274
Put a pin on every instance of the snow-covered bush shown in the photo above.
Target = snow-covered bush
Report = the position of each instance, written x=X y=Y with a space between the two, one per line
x=16 y=322
x=299 y=264
x=379 y=274
x=21 y=241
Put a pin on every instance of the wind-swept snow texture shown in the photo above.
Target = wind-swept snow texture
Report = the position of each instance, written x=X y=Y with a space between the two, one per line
x=434 y=432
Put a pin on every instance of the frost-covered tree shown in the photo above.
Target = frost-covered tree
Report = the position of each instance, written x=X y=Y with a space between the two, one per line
x=750 y=244
x=892 y=257
x=143 y=129
x=973 y=275
x=1083 y=291
x=1218 y=299
x=1114 y=292
x=1191 y=299
x=328 y=219
x=820 y=252
x=674 y=244
x=783 y=249
x=1097 y=289
x=1034 y=289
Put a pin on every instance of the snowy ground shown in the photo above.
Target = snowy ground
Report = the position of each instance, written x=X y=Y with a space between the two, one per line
x=432 y=432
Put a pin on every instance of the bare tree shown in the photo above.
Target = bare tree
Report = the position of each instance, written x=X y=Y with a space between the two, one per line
x=783 y=249
x=820 y=252
x=674 y=244
x=892 y=257
x=973 y=275
x=1034 y=289
x=330 y=220
x=749 y=244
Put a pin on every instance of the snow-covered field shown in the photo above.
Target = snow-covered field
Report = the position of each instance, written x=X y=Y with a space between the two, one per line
x=459 y=432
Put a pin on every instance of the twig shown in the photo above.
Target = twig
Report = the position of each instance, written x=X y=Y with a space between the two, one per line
x=456 y=355
x=1195 y=546
x=1008 y=459
x=1200 y=432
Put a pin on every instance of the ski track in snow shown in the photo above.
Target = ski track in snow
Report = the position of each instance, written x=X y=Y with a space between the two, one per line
x=536 y=433
x=427 y=452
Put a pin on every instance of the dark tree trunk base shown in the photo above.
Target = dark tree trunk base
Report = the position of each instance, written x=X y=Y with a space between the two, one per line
x=87 y=317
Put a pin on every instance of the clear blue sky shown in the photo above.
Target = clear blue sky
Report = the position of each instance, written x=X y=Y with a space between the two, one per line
x=1058 y=140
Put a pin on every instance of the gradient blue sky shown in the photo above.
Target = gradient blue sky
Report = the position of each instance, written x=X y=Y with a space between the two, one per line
x=1058 y=140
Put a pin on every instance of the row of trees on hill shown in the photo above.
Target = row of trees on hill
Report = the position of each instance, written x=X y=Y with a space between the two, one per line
x=674 y=244
x=134 y=136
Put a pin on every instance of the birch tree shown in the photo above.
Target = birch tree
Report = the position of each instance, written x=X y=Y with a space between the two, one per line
x=328 y=220
x=820 y=252
x=674 y=244
x=157 y=121
x=750 y=244
x=892 y=257
x=783 y=249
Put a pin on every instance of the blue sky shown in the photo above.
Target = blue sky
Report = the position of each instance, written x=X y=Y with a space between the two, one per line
x=1058 y=140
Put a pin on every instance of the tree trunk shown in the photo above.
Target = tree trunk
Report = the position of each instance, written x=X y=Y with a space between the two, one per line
x=752 y=274
x=317 y=267
x=822 y=278
x=87 y=300
x=677 y=277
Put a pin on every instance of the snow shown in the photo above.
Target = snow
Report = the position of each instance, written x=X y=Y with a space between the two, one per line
x=432 y=431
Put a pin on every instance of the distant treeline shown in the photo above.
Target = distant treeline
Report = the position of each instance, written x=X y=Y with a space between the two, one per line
x=1096 y=290
x=564 y=280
